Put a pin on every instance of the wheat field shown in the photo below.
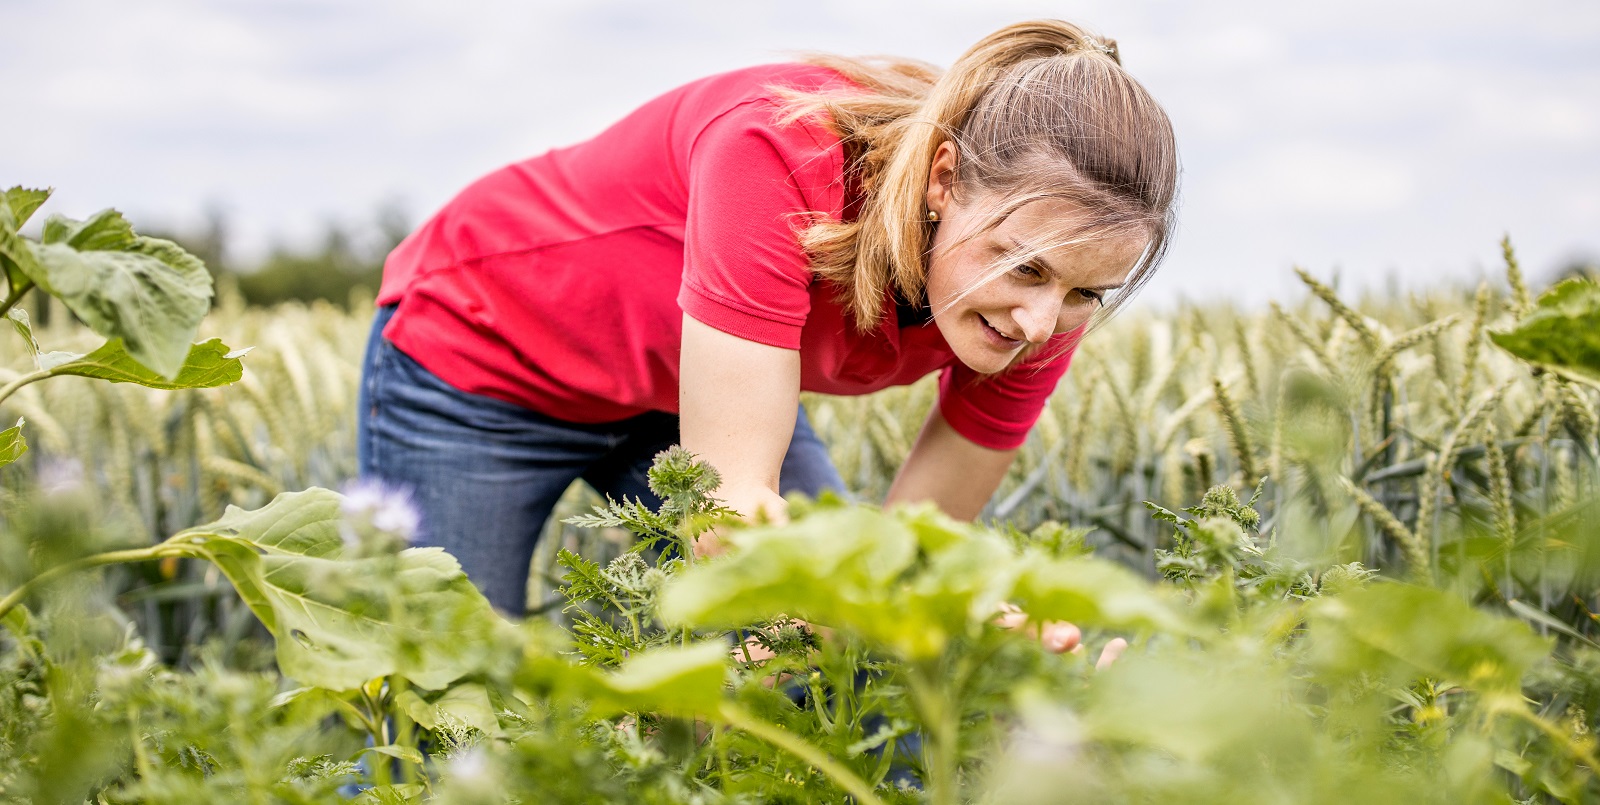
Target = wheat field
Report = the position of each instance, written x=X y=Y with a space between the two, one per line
x=1373 y=422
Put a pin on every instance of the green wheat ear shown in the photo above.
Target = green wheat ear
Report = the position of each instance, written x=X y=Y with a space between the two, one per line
x=1505 y=516
x=1416 y=551
x=1350 y=316
x=1522 y=302
x=1469 y=364
x=1238 y=432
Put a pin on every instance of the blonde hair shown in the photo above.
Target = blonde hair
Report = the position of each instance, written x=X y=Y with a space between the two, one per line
x=1036 y=110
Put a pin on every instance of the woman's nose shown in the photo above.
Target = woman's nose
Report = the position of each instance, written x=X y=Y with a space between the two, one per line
x=1039 y=317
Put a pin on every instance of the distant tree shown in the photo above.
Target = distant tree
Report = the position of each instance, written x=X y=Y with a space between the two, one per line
x=344 y=259
x=1579 y=266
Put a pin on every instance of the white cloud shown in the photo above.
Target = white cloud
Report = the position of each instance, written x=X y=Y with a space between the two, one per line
x=1537 y=116
x=1313 y=177
x=1322 y=125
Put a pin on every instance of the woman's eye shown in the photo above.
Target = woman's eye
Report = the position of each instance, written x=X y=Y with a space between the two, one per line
x=1093 y=296
x=1028 y=271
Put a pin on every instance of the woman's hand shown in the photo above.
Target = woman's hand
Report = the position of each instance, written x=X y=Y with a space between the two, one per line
x=754 y=504
x=1059 y=637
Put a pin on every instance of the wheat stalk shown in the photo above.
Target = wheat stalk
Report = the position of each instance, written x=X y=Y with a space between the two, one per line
x=1357 y=322
x=1439 y=474
x=1316 y=345
x=1415 y=550
x=1469 y=364
x=1505 y=516
x=1247 y=357
x=1237 y=430
x=1521 y=301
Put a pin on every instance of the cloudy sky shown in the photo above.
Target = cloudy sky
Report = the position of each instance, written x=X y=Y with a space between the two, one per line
x=1372 y=140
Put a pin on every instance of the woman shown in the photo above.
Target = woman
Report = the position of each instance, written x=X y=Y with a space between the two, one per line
x=836 y=226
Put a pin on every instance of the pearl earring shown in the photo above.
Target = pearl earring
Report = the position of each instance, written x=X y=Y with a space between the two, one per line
x=933 y=217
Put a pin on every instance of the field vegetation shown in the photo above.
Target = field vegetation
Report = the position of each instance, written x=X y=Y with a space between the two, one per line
x=1353 y=545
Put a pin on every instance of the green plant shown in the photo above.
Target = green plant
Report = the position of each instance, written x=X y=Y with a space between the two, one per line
x=1276 y=654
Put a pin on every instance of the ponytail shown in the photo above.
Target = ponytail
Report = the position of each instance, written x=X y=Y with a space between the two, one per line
x=1039 y=109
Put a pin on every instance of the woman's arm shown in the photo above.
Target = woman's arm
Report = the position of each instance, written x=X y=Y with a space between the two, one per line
x=948 y=469
x=736 y=403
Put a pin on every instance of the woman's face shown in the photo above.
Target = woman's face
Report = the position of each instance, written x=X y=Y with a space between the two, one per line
x=1031 y=300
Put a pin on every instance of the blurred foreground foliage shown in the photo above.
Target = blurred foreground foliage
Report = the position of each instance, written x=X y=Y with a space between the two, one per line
x=1382 y=591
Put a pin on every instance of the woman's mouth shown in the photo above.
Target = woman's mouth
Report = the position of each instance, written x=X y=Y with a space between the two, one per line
x=998 y=338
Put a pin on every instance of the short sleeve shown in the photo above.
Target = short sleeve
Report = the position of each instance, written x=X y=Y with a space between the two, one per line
x=997 y=411
x=752 y=186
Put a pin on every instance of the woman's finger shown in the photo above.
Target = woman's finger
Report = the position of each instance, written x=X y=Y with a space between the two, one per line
x=1011 y=620
x=1061 y=637
x=1110 y=653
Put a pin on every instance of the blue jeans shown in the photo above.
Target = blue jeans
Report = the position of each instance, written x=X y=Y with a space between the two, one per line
x=485 y=474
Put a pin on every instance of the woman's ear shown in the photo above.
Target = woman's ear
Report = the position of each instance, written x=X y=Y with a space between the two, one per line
x=942 y=178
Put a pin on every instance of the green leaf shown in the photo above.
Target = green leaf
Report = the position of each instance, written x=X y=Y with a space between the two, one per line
x=391 y=795
x=148 y=292
x=408 y=754
x=1196 y=705
x=106 y=230
x=834 y=567
x=19 y=320
x=1561 y=333
x=1094 y=593
x=22 y=202
x=468 y=702
x=12 y=444
x=209 y=364
x=907 y=581
x=1536 y=615
x=1403 y=632
x=16 y=255
x=1163 y=514
x=341 y=622
x=678 y=680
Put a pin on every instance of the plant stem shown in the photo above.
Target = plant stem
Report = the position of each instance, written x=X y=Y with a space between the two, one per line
x=1583 y=755
x=15 y=296
x=853 y=785
x=942 y=724
x=32 y=377
x=379 y=727
x=404 y=729
x=141 y=753
x=109 y=558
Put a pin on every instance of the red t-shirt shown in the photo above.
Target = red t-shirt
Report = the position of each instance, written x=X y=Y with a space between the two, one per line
x=559 y=283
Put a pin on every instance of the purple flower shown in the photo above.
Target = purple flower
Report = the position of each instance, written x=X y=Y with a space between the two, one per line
x=373 y=508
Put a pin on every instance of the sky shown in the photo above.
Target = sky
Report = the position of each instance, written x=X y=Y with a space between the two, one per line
x=1388 y=144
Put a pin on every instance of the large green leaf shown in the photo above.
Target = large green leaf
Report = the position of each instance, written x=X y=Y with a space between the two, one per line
x=12 y=445
x=341 y=622
x=836 y=567
x=906 y=581
x=147 y=292
x=1403 y=632
x=776 y=569
x=1196 y=705
x=209 y=364
x=679 y=680
x=1561 y=333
